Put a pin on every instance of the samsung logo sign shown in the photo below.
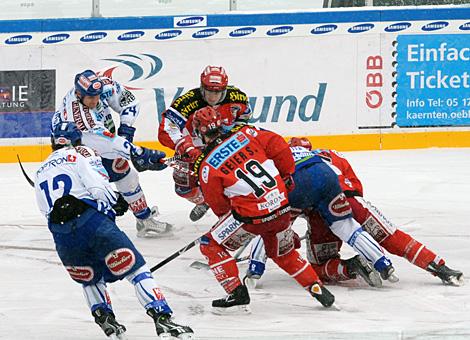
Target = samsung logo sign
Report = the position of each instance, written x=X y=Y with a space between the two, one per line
x=465 y=27
x=131 y=35
x=205 y=33
x=279 y=30
x=168 y=34
x=189 y=21
x=93 y=36
x=399 y=26
x=324 y=29
x=18 y=39
x=52 y=39
x=361 y=28
x=434 y=26
x=241 y=32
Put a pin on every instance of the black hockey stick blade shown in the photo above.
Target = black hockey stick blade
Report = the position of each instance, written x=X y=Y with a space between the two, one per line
x=30 y=181
x=174 y=255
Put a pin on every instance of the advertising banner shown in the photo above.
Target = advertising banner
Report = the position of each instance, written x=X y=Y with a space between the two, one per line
x=27 y=102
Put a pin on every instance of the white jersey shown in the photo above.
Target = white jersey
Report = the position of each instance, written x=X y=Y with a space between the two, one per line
x=97 y=124
x=75 y=171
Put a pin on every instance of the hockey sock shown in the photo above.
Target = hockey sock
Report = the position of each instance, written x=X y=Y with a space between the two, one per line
x=332 y=270
x=222 y=264
x=298 y=268
x=96 y=296
x=146 y=290
x=402 y=244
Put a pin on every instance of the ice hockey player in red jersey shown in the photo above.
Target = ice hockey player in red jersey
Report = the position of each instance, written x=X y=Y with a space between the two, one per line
x=245 y=176
x=373 y=221
x=175 y=127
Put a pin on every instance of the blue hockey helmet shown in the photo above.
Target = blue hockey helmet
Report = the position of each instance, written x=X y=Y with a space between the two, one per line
x=66 y=133
x=88 y=83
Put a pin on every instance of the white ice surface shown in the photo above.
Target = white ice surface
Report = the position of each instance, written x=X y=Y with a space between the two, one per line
x=425 y=192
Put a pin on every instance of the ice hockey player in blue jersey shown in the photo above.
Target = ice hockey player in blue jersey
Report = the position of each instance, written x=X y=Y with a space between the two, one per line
x=74 y=194
x=89 y=105
x=316 y=187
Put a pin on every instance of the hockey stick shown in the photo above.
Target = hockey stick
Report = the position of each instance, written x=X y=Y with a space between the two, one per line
x=171 y=162
x=30 y=181
x=175 y=255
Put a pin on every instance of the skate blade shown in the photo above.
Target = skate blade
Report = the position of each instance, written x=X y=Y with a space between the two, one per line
x=182 y=336
x=121 y=336
x=235 y=310
x=199 y=265
x=250 y=282
x=453 y=281
x=375 y=280
x=393 y=278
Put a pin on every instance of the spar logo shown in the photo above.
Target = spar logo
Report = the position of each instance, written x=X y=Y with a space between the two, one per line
x=361 y=28
x=324 y=29
x=93 y=36
x=435 y=26
x=465 y=27
x=168 y=34
x=18 y=39
x=279 y=30
x=205 y=33
x=190 y=21
x=142 y=66
x=56 y=38
x=399 y=26
x=132 y=35
x=241 y=32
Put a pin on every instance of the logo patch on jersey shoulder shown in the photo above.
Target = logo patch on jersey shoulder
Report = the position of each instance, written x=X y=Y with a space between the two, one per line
x=84 y=274
x=120 y=261
x=205 y=174
x=227 y=149
x=339 y=206
x=71 y=158
x=252 y=132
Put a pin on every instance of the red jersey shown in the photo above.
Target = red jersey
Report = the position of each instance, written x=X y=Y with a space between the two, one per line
x=178 y=117
x=243 y=172
x=348 y=180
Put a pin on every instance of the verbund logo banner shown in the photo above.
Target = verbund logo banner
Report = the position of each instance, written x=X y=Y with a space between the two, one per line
x=433 y=75
x=27 y=102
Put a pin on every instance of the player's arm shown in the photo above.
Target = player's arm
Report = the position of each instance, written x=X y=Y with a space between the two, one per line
x=347 y=171
x=170 y=130
x=125 y=103
x=213 y=191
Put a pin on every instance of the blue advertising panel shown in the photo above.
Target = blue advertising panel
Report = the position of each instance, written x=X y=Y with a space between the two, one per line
x=433 y=80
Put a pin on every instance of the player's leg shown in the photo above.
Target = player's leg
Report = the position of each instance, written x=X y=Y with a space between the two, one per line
x=279 y=243
x=127 y=183
x=401 y=243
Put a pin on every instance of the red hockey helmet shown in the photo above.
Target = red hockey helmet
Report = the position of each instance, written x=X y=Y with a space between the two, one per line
x=207 y=122
x=214 y=78
x=300 y=141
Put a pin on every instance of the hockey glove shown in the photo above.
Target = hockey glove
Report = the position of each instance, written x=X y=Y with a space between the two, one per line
x=147 y=159
x=187 y=150
x=127 y=132
x=121 y=205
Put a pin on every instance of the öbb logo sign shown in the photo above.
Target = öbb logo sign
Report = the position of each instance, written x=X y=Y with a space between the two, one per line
x=374 y=81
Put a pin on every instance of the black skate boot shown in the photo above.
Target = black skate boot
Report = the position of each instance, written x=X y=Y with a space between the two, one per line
x=237 y=301
x=447 y=275
x=107 y=321
x=166 y=328
x=360 y=266
x=322 y=294
x=198 y=212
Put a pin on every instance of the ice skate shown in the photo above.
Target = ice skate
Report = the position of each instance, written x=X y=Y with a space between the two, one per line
x=359 y=266
x=447 y=275
x=198 y=212
x=236 y=302
x=107 y=321
x=167 y=329
x=322 y=294
x=386 y=270
x=253 y=274
x=151 y=227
